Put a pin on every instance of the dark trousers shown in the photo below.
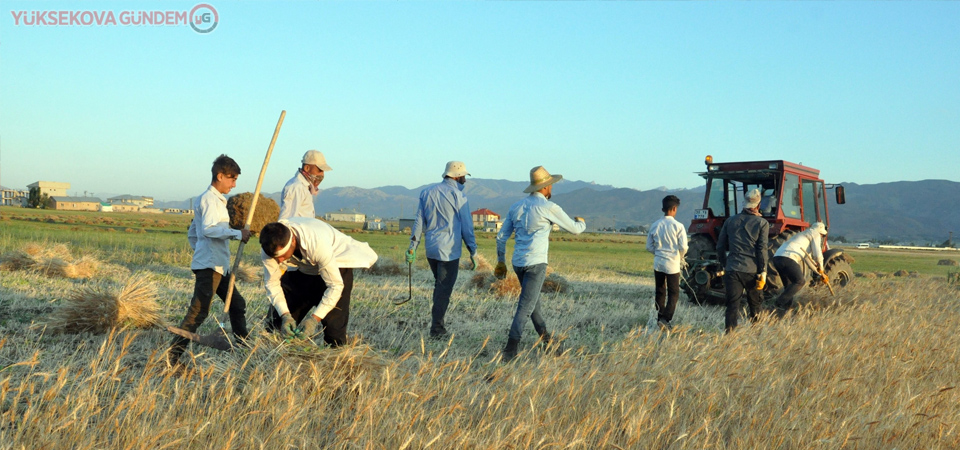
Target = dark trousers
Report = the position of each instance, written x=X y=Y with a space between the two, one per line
x=735 y=283
x=791 y=275
x=445 y=276
x=667 y=293
x=304 y=292
x=208 y=282
x=528 y=304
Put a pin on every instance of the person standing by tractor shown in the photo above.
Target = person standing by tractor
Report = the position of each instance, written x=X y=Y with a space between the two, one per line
x=667 y=240
x=209 y=236
x=296 y=199
x=805 y=247
x=318 y=292
x=443 y=217
x=745 y=237
x=531 y=219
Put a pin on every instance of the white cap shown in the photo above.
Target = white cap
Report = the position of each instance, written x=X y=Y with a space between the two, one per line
x=316 y=158
x=752 y=198
x=819 y=227
x=455 y=169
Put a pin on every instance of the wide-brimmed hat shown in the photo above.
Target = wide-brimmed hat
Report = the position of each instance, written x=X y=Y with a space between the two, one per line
x=540 y=178
x=455 y=169
x=752 y=199
x=316 y=158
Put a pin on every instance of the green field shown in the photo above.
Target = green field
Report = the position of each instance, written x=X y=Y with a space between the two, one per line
x=872 y=367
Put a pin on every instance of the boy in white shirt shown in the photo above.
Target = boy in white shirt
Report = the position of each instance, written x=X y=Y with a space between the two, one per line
x=209 y=236
x=667 y=240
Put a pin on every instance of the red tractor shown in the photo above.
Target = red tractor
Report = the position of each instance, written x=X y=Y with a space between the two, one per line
x=794 y=197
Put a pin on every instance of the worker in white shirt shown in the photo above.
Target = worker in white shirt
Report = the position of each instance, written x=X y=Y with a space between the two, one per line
x=209 y=235
x=805 y=248
x=318 y=292
x=296 y=199
x=667 y=240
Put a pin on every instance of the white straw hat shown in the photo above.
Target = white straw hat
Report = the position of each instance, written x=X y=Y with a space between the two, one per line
x=455 y=169
x=752 y=199
x=316 y=158
x=540 y=178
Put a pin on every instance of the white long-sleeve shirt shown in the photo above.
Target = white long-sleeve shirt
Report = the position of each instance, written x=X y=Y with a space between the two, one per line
x=324 y=251
x=807 y=242
x=667 y=240
x=210 y=233
x=532 y=219
x=296 y=199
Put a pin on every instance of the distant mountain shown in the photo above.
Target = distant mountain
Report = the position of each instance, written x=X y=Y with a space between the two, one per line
x=918 y=212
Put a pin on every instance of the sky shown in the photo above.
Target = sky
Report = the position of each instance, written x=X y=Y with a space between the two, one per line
x=629 y=94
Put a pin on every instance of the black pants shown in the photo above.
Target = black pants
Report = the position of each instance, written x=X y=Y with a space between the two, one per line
x=791 y=275
x=445 y=276
x=735 y=283
x=306 y=291
x=208 y=282
x=667 y=294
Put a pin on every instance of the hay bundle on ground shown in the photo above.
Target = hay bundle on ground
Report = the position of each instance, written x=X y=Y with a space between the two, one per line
x=248 y=274
x=98 y=308
x=239 y=206
x=507 y=287
x=56 y=267
x=555 y=284
x=387 y=267
x=483 y=280
x=17 y=260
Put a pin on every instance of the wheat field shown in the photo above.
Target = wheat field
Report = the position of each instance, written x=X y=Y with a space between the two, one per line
x=873 y=367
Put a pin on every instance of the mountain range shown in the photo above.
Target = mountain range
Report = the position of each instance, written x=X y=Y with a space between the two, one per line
x=919 y=212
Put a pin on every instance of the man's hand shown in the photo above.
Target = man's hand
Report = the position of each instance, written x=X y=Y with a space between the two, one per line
x=309 y=326
x=761 y=281
x=579 y=219
x=288 y=326
x=824 y=278
x=245 y=235
x=501 y=270
x=411 y=255
x=473 y=263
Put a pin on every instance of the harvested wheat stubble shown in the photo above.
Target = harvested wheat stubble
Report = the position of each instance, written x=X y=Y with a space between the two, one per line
x=53 y=261
x=101 y=307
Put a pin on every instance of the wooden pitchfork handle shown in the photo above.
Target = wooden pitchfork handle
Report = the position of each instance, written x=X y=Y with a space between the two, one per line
x=253 y=207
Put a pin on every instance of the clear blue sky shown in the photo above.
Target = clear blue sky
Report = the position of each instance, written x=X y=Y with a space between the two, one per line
x=631 y=94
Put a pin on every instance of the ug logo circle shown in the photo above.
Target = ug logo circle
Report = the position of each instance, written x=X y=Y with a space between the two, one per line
x=203 y=18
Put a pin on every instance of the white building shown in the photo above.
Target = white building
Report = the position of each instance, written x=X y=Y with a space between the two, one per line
x=345 y=216
x=143 y=202
x=51 y=188
x=13 y=197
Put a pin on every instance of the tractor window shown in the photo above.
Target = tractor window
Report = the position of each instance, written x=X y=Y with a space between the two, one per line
x=791 y=196
x=810 y=195
x=716 y=202
x=821 y=202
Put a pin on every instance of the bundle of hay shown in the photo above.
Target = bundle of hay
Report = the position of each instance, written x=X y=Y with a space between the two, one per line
x=248 y=274
x=555 y=284
x=507 y=287
x=483 y=280
x=387 y=267
x=99 y=308
x=239 y=206
x=53 y=261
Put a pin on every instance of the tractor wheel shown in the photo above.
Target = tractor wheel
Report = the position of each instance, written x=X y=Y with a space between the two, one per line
x=839 y=272
x=699 y=247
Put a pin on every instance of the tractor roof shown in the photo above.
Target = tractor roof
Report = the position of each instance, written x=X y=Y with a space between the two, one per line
x=758 y=169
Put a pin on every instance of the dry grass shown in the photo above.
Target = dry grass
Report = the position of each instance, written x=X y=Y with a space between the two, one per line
x=52 y=261
x=386 y=267
x=247 y=273
x=99 y=308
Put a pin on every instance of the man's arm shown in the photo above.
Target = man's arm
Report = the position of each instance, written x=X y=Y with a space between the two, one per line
x=651 y=239
x=503 y=235
x=210 y=224
x=761 y=248
x=331 y=276
x=192 y=233
x=271 y=279
x=682 y=239
x=561 y=218
x=466 y=227
x=418 y=223
x=722 y=245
